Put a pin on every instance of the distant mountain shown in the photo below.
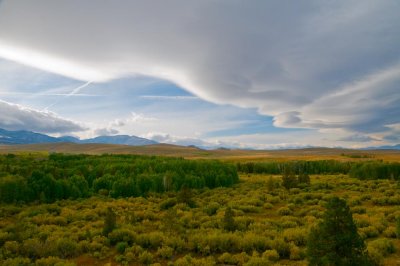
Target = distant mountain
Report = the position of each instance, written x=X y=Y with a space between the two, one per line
x=28 y=137
x=24 y=137
x=120 y=139
x=387 y=147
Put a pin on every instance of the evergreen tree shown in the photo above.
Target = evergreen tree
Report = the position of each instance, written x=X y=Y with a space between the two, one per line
x=185 y=196
x=289 y=179
x=229 y=220
x=304 y=178
x=110 y=221
x=335 y=240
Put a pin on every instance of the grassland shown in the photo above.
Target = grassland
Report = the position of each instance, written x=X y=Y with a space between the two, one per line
x=221 y=154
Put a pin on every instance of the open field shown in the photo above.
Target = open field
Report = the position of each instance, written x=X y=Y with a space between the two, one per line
x=222 y=154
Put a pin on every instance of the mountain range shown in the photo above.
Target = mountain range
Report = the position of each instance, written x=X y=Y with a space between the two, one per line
x=29 y=137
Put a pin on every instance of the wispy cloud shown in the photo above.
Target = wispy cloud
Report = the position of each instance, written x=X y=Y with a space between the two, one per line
x=72 y=93
x=169 y=97
x=9 y=93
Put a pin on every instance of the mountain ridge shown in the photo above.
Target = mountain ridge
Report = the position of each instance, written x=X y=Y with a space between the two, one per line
x=28 y=137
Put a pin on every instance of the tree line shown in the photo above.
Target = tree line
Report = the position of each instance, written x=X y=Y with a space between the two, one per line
x=360 y=170
x=30 y=178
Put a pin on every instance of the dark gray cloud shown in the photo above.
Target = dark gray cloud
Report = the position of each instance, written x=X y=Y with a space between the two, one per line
x=311 y=64
x=392 y=138
x=358 y=138
x=17 y=117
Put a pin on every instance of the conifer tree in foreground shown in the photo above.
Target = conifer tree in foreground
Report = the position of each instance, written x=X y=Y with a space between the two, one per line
x=335 y=240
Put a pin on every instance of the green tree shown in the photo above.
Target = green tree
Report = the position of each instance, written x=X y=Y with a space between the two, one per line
x=335 y=240
x=110 y=221
x=289 y=179
x=304 y=178
x=186 y=196
x=229 y=220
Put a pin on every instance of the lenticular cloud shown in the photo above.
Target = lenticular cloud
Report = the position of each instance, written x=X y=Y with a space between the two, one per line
x=288 y=61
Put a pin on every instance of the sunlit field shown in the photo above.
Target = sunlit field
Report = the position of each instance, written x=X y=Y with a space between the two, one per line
x=189 y=227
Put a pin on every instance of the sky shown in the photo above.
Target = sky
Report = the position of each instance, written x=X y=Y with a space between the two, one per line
x=248 y=74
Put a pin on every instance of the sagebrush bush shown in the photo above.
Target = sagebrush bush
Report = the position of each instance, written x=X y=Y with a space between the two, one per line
x=298 y=236
x=384 y=245
x=146 y=258
x=165 y=252
x=285 y=211
x=271 y=255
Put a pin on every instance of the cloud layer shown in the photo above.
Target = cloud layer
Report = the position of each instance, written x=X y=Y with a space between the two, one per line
x=309 y=64
x=17 y=117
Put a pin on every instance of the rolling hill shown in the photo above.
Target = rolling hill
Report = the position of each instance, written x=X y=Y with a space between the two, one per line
x=197 y=153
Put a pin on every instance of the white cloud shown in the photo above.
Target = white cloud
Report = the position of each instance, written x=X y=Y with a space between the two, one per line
x=139 y=118
x=312 y=64
x=105 y=132
x=17 y=117
x=181 y=140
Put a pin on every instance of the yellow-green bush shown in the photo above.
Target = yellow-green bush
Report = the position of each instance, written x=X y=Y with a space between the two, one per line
x=271 y=255
x=296 y=235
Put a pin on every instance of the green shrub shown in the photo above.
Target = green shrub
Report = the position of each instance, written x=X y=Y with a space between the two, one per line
x=398 y=227
x=359 y=210
x=121 y=246
x=268 y=206
x=383 y=245
x=227 y=258
x=165 y=252
x=67 y=248
x=189 y=261
x=375 y=256
x=390 y=232
x=146 y=258
x=212 y=208
x=271 y=255
x=16 y=262
x=53 y=261
x=168 y=203
x=285 y=211
x=368 y=232
x=122 y=235
x=282 y=247
x=257 y=261
x=296 y=253
x=296 y=235
x=150 y=240
x=242 y=258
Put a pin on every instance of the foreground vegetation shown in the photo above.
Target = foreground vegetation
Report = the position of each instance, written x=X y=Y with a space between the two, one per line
x=256 y=221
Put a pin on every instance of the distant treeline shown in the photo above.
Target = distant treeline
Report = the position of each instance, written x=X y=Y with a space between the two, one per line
x=28 y=178
x=361 y=170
